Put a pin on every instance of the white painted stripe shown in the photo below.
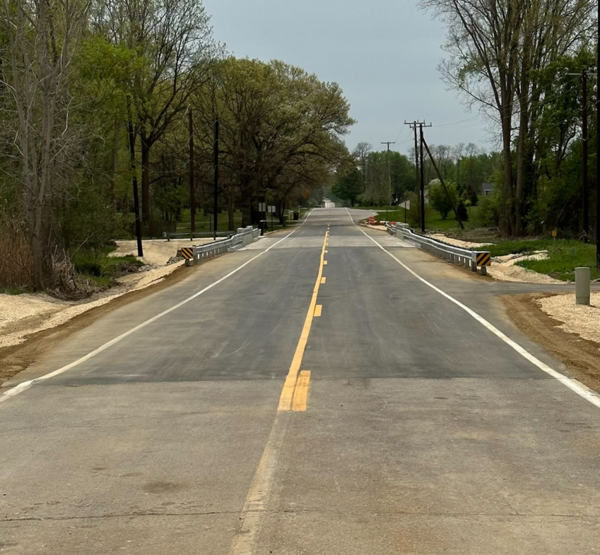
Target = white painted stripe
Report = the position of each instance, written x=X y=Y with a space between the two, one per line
x=572 y=384
x=26 y=385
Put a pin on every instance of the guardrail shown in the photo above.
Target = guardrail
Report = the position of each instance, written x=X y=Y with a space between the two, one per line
x=242 y=238
x=196 y=235
x=455 y=255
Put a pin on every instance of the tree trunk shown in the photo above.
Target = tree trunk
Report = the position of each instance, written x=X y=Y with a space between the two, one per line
x=507 y=206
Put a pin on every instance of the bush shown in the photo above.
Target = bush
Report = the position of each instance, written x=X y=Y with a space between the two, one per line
x=488 y=214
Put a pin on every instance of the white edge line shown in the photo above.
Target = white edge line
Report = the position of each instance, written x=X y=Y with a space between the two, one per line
x=23 y=386
x=572 y=384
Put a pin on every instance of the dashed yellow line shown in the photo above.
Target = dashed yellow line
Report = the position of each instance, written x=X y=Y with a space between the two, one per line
x=323 y=280
x=318 y=310
x=301 y=393
x=289 y=387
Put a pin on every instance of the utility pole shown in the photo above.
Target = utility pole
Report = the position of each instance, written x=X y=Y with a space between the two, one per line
x=435 y=167
x=584 y=141
x=584 y=154
x=192 y=186
x=216 y=190
x=598 y=149
x=420 y=165
x=389 y=195
x=136 y=198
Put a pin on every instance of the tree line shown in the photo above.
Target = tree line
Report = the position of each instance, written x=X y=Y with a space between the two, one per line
x=95 y=93
x=377 y=179
x=520 y=63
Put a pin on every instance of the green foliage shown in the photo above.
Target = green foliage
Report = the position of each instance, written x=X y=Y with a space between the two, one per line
x=442 y=199
x=348 y=186
x=97 y=266
x=564 y=256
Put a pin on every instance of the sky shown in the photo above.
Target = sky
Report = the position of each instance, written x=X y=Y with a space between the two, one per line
x=383 y=53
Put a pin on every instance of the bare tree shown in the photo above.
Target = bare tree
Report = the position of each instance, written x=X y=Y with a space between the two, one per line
x=42 y=39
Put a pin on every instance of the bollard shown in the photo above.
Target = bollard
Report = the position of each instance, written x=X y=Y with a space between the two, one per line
x=582 y=286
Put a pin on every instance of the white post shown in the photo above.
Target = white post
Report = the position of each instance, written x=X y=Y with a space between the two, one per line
x=582 y=286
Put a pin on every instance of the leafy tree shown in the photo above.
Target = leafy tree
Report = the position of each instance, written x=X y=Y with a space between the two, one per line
x=349 y=185
x=440 y=199
x=173 y=41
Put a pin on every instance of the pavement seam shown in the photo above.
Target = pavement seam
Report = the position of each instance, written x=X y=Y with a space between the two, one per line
x=572 y=384
x=27 y=384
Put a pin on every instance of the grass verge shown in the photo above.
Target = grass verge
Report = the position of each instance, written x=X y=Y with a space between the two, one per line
x=101 y=270
x=564 y=256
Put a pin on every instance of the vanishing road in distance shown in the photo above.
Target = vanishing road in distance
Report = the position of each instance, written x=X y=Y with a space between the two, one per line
x=322 y=392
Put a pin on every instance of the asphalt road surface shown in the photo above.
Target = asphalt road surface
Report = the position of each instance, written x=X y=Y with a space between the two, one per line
x=309 y=395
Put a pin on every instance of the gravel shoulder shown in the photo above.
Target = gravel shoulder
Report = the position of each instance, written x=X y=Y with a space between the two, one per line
x=37 y=340
x=562 y=329
x=27 y=314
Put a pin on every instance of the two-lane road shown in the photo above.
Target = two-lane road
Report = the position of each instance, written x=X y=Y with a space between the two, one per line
x=312 y=393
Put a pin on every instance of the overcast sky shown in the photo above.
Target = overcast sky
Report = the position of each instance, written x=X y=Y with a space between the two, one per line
x=383 y=53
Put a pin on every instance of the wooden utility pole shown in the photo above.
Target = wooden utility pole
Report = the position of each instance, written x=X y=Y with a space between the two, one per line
x=598 y=148
x=192 y=185
x=585 y=192
x=419 y=166
x=584 y=145
x=134 y=182
x=460 y=223
x=216 y=183
x=389 y=192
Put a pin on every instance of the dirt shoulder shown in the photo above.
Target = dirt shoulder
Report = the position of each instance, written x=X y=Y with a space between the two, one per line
x=580 y=356
x=15 y=358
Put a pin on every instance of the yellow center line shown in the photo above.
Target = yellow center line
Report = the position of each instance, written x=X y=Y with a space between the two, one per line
x=323 y=281
x=301 y=393
x=287 y=393
x=318 y=310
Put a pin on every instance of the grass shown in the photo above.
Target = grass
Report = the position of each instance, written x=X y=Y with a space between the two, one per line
x=101 y=269
x=563 y=256
x=434 y=221
x=204 y=222
x=14 y=290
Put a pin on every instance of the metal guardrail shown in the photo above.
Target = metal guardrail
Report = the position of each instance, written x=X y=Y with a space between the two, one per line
x=196 y=235
x=242 y=238
x=455 y=255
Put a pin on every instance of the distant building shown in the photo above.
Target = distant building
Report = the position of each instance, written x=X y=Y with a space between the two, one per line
x=327 y=203
x=487 y=189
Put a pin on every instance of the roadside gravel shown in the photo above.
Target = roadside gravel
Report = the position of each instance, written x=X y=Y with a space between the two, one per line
x=579 y=319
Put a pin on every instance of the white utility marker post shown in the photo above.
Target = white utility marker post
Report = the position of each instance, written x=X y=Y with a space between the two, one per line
x=582 y=285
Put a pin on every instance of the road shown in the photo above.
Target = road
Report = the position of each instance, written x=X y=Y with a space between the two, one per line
x=309 y=394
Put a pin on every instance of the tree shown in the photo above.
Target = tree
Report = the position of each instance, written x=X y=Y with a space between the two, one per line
x=441 y=200
x=173 y=41
x=43 y=37
x=495 y=48
x=278 y=123
x=361 y=155
x=349 y=185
